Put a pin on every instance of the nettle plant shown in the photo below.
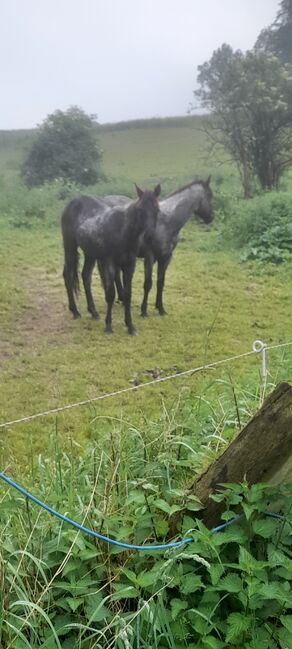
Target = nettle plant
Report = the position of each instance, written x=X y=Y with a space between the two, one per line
x=230 y=589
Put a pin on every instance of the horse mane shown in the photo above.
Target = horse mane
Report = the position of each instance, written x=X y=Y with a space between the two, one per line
x=181 y=189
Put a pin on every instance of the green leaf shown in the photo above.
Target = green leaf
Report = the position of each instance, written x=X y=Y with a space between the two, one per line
x=88 y=553
x=275 y=556
x=285 y=639
x=285 y=571
x=125 y=592
x=248 y=563
x=237 y=624
x=191 y=583
x=73 y=565
x=179 y=630
x=168 y=509
x=275 y=590
x=216 y=571
x=229 y=515
x=265 y=527
x=231 y=583
x=287 y=622
x=74 y=602
x=161 y=527
x=198 y=620
x=130 y=574
x=95 y=609
x=261 y=640
x=232 y=534
x=248 y=510
x=188 y=524
x=218 y=497
x=60 y=622
x=193 y=506
x=149 y=578
x=136 y=497
x=162 y=504
x=177 y=606
x=212 y=643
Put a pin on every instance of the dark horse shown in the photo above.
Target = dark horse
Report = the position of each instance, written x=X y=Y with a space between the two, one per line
x=110 y=236
x=174 y=212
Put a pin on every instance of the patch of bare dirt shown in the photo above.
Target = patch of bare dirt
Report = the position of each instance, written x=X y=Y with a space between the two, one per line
x=46 y=315
x=43 y=320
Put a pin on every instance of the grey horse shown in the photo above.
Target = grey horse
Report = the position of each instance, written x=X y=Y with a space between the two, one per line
x=174 y=212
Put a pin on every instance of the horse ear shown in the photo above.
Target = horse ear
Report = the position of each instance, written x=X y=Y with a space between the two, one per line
x=139 y=191
x=208 y=180
x=157 y=190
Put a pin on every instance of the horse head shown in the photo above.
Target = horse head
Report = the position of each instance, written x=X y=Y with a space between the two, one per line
x=205 y=207
x=148 y=207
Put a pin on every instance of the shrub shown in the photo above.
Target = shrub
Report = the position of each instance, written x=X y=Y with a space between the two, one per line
x=65 y=147
x=261 y=227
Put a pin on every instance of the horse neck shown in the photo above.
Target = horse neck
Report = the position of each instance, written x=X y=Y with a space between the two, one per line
x=181 y=206
x=133 y=225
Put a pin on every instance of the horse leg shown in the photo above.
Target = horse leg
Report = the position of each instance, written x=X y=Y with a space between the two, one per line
x=119 y=285
x=67 y=275
x=108 y=278
x=161 y=270
x=128 y=272
x=86 y=277
x=148 y=266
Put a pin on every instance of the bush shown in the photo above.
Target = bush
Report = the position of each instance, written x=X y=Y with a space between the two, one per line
x=65 y=148
x=261 y=227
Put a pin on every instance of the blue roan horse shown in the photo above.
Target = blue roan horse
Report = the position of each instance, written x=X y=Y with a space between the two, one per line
x=109 y=235
x=174 y=212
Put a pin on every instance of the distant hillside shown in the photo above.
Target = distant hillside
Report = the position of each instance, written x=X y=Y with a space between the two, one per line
x=154 y=122
x=171 y=150
x=19 y=136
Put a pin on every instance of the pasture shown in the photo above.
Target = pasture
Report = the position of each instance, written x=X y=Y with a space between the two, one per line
x=216 y=305
x=121 y=465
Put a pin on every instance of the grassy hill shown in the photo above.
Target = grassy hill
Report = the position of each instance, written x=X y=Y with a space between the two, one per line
x=171 y=150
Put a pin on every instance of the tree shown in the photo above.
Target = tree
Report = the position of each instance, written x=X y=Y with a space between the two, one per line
x=277 y=39
x=65 y=147
x=249 y=101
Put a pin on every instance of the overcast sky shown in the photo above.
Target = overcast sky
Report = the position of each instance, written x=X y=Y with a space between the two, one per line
x=120 y=59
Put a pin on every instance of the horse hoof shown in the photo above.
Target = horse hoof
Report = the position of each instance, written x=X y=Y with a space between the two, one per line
x=132 y=332
x=95 y=316
x=162 y=312
x=144 y=314
x=76 y=316
x=108 y=330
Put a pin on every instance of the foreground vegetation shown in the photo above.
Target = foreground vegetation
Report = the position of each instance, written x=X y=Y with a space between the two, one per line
x=123 y=465
x=223 y=590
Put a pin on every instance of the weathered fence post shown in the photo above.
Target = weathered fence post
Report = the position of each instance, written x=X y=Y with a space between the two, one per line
x=261 y=452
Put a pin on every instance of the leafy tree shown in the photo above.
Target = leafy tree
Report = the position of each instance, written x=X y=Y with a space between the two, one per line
x=65 y=147
x=249 y=101
x=277 y=39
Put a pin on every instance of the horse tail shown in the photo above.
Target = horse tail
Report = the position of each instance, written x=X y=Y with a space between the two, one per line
x=71 y=256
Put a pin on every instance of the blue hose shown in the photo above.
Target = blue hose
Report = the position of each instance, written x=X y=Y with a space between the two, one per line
x=101 y=537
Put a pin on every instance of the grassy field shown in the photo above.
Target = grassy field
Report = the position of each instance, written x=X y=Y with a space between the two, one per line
x=123 y=465
x=216 y=305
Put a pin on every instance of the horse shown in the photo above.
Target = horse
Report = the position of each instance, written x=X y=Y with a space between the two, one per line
x=109 y=235
x=174 y=212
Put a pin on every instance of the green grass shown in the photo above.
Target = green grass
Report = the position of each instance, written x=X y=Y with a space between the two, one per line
x=120 y=464
x=216 y=306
